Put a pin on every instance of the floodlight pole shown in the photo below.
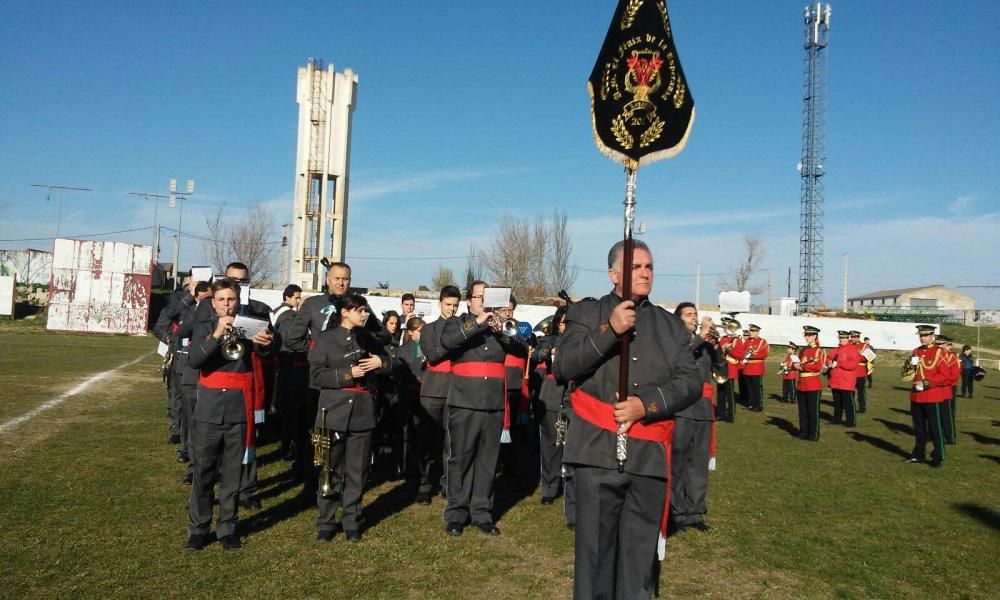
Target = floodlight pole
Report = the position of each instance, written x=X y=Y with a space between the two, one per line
x=156 y=226
x=175 y=195
x=61 y=188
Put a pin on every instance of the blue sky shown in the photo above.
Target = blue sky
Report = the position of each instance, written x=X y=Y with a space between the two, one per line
x=469 y=109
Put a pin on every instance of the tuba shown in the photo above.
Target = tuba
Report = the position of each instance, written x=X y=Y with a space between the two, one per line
x=732 y=326
x=321 y=454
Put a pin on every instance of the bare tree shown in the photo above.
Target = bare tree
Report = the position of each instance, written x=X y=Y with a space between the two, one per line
x=442 y=277
x=561 y=276
x=753 y=255
x=247 y=240
x=30 y=265
x=473 y=266
x=516 y=256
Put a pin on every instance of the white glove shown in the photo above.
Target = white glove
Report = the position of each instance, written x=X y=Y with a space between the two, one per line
x=914 y=360
x=833 y=365
x=258 y=417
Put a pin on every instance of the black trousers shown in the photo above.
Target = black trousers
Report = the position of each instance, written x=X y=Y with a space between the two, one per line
x=189 y=399
x=967 y=381
x=843 y=402
x=725 y=409
x=617 y=528
x=809 y=414
x=550 y=474
x=755 y=398
x=350 y=459
x=948 y=421
x=290 y=403
x=788 y=390
x=861 y=394
x=431 y=415
x=473 y=447
x=741 y=381
x=927 y=424
x=215 y=449
x=689 y=452
x=174 y=409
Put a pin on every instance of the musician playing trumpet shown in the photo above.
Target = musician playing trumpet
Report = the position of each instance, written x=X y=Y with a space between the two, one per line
x=789 y=374
x=342 y=365
x=230 y=402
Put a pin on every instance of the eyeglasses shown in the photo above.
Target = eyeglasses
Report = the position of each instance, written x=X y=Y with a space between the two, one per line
x=479 y=296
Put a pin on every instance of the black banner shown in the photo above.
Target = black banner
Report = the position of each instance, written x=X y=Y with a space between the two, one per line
x=641 y=107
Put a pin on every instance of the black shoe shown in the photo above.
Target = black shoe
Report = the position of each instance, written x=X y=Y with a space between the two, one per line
x=488 y=528
x=188 y=479
x=757 y=409
x=934 y=464
x=703 y=527
x=454 y=529
x=913 y=460
x=231 y=542
x=571 y=526
x=353 y=535
x=250 y=504
x=174 y=439
x=324 y=537
x=423 y=498
x=182 y=457
x=196 y=542
x=546 y=500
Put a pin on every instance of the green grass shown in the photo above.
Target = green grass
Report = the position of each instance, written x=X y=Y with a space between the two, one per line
x=963 y=334
x=93 y=506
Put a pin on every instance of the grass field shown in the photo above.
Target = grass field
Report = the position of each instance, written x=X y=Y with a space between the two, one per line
x=92 y=505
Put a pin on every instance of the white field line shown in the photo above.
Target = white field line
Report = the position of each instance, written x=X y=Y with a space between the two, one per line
x=9 y=425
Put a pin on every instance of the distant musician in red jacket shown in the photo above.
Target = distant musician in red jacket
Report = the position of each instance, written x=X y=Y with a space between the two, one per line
x=844 y=361
x=754 y=354
x=930 y=378
x=812 y=359
x=789 y=375
x=954 y=368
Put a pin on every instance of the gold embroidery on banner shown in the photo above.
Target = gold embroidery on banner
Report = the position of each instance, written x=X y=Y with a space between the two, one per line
x=650 y=135
x=631 y=9
x=621 y=133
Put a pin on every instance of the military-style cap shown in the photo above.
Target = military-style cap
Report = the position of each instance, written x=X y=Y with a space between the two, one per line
x=843 y=334
x=810 y=330
x=753 y=327
x=726 y=319
x=942 y=339
x=793 y=345
x=855 y=333
x=925 y=329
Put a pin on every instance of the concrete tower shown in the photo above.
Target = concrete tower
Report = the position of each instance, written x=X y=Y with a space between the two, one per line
x=322 y=164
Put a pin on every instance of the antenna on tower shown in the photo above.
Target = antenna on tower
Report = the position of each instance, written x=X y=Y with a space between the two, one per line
x=810 y=167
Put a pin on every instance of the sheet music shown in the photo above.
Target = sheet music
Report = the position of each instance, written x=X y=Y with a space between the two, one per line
x=496 y=297
x=249 y=325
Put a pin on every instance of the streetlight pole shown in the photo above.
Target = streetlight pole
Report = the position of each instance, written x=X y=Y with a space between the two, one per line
x=156 y=226
x=174 y=196
x=61 y=188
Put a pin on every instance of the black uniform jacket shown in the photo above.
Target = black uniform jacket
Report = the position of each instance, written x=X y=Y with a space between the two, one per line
x=312 y=318
x=185 y=335
x=515 y=375
x=225 y=405
x=472 y=342
x=551 y=390
x=434 y=384
x=283 y=325
x=336 y=350
x=709 y=360
x=662 y=373
x=171 y=314
x=410 y=368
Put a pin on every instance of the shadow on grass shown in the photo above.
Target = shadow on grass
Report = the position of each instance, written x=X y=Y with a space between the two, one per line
x=276 y=479
x=986 y=516
x=784 y=425
x=271 y=516
x=983 y=439
x=895 y=427
x=902 y=388
x=995 y=459
x=901 y=411
x=278 y=489
x=776 y=397
x=509 y=492
x=879 y=443
x=391 y=502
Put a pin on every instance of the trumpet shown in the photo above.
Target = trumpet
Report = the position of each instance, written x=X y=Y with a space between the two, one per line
x=233 y=347
x=321 y=454
x=501 y=325
x=783 y=369
x=720 y=378
x=908 y=370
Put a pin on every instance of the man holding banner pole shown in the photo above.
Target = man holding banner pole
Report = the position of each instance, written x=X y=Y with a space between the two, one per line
x=619 y=440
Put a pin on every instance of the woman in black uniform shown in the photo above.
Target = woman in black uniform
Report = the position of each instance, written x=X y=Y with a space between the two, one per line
x=341 y=364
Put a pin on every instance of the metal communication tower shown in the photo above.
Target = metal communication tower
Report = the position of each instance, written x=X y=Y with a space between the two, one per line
x=817 y=27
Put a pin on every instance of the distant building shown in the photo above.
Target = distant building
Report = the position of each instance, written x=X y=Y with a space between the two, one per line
x=935 y=302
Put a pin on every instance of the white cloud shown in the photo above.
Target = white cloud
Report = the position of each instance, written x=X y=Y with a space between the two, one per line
x=363 y=188
x=961 y=205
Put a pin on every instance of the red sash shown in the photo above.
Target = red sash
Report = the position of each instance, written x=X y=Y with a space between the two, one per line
x=442 y=367
x=708 y=391
x=487 y=369
x=601 y=414
x=252 y=384
x=515 y=361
